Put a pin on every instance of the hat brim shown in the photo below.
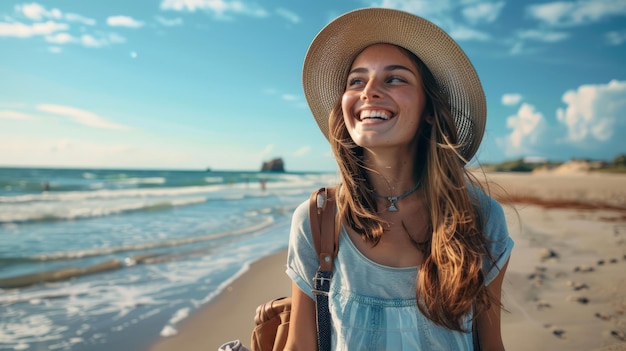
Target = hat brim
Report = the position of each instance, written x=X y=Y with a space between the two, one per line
x=335 y=47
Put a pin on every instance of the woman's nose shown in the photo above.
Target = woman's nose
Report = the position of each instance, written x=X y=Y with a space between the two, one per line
x=371 y=90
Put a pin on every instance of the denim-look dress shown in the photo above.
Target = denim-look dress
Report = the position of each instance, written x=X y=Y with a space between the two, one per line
x=373 y=306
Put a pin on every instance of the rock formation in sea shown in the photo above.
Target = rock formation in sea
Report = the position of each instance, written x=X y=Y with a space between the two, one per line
x=275 y=165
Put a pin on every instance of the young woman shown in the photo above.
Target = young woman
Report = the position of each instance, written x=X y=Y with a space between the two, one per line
x=422 y=249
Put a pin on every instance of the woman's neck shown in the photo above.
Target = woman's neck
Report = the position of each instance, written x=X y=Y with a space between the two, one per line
x=392 y=173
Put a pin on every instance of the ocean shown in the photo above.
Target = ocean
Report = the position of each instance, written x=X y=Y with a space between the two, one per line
x=102 y=259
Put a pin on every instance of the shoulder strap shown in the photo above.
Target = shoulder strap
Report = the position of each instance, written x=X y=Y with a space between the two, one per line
x=322 y=213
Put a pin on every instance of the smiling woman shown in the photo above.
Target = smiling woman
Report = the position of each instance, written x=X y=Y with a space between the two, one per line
x=422 y=249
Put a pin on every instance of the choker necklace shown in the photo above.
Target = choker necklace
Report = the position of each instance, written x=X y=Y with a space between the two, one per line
x=393 y=200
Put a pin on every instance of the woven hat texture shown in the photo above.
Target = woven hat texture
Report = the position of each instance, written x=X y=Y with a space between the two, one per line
x=331 y=53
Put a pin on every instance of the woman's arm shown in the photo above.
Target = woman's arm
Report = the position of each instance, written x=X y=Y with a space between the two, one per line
x=302 y=323
x=489 y=322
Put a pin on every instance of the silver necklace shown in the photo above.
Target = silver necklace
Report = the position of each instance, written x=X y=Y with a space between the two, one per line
x=393 y=200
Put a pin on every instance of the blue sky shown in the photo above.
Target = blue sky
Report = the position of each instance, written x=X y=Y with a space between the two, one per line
x=189 y=84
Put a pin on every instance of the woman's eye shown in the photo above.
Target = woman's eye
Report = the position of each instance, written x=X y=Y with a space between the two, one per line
x=396 y=80
x=354 y=81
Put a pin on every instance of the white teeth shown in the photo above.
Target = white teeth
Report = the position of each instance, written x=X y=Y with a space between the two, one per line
x=374 y=114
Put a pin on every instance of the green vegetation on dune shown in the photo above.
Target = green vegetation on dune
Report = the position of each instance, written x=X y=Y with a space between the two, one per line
x=617 y=165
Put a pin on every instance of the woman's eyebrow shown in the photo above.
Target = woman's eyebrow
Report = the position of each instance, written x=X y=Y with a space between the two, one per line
x=398 y=67
x=387 y=68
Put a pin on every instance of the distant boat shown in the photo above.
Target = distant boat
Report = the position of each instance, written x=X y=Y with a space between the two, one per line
x=208 y=169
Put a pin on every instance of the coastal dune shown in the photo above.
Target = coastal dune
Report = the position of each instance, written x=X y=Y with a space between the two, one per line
x=565 y=287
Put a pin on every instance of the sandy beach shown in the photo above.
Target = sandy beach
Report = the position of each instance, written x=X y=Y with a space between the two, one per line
x=565 y=287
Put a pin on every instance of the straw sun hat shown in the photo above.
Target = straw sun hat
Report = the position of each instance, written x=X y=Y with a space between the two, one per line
x=331 y=53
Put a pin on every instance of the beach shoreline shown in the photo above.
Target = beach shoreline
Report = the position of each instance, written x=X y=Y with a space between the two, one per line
x=565 y=286
x=230 y=316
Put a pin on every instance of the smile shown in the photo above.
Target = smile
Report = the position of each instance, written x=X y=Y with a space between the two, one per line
x=374 y=114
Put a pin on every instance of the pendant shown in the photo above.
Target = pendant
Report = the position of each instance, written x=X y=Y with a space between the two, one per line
x=392 y=203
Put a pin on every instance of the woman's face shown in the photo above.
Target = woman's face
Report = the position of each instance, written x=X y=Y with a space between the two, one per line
x=384 y=99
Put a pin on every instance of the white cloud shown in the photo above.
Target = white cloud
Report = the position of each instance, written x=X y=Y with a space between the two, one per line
x=561 y=13
x=55 y=49
x=302 y=151
x=220 y=8
x=124 y=21
x=444 y=13
x=465 y=33
x=21 y=30
x=542 y=35
x=528 y=128
x=593 y=111
x=60 y=38
x=53 y=26
x=91 y=42
x=615 y=37
x=425 y=8
x=72 y=17
x=102 y=40
x=483 y=12
x=37 y=12
x=511 y=99
x=86 y=40
x=8 y=114
x=289 y=97
x=289 y=15
x=537 y=35
x=83 y=117
x=169 y=22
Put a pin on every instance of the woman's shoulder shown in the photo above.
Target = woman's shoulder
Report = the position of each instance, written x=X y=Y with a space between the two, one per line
x=481 y=197
x=301 y=213
x=491 y=211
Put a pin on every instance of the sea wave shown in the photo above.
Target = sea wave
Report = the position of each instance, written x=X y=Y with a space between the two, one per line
x=115 y=263
x=148 y=180
x=108 y=194
x=263 y=223
x=50 y=212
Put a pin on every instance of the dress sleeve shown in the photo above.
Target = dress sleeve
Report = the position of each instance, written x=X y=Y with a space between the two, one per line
x=499 y=243
x=302 y=261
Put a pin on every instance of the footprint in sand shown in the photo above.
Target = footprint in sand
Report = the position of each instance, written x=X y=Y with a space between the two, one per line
x=577 y=286
x=547 y=254
x=559 y=333
x=583 y=269
x=604 y=316
x=618 y=334
x=580 y=299
x=541 y=304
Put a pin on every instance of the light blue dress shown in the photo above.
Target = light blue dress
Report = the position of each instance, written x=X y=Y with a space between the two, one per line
x=373 y=306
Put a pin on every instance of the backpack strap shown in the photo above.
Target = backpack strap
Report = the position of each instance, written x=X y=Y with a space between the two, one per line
x=322 y=208
x=322 y=213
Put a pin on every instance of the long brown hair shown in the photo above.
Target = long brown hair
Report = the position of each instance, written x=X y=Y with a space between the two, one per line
x=450 y=283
